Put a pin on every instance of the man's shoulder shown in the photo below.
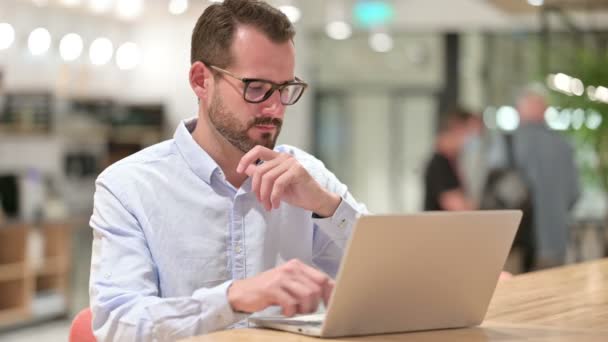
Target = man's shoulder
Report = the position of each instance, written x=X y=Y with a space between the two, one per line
x=437 y=160
x=132 y=166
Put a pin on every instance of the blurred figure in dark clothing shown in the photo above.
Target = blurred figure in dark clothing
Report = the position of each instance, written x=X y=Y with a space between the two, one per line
x=443 y=180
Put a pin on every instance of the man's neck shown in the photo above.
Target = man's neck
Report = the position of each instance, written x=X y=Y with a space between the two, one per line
x=226 y=155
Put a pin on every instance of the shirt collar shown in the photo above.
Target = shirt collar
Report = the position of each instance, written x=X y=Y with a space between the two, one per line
x=195 y=156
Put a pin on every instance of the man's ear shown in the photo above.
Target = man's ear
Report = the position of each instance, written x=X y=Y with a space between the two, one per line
x=200 y=79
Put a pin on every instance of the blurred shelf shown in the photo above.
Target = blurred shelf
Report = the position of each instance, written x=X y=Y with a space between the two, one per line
x=12 y=271
x=15 y=129
x=9 y=317
x=54 y=266
x=33 y=290
x=48 y=304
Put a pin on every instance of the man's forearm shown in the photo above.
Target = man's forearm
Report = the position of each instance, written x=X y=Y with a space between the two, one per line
x=148 y=318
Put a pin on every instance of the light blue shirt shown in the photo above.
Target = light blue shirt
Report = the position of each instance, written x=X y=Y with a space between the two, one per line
x=170 y=235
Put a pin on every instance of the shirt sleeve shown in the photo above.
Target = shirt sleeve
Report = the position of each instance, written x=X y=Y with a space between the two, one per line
x=125 y=297
x=332 y=233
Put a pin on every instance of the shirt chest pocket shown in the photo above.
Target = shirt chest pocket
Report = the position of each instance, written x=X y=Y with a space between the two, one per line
x=198 y=263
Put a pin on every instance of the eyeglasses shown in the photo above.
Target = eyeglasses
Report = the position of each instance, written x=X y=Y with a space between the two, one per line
x=258 y=90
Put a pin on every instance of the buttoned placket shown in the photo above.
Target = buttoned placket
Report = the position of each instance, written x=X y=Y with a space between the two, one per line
x=237 y=249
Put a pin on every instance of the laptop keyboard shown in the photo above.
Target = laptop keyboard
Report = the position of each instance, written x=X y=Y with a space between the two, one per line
x=314 y=320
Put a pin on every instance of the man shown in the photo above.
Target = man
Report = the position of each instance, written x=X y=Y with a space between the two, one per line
x=193 y=234
x=547 y=162
x=444 y=188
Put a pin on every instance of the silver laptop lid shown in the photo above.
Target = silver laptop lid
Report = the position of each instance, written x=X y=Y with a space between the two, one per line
x=431 y=270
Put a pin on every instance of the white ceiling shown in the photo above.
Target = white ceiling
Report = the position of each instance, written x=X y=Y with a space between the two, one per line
x=411 y=15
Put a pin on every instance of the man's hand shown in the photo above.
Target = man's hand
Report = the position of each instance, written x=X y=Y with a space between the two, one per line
x=504 y=275
x=294 y=286
x=281 y=178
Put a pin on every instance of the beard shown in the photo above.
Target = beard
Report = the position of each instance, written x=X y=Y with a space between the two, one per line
x=235 y=132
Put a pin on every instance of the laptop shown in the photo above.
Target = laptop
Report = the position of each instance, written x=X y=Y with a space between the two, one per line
x=400 y=273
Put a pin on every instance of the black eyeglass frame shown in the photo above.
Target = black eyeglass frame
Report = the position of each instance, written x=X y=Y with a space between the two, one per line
x=268 y=94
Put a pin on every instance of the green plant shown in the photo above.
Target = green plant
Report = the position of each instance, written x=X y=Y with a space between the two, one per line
x=592 y=68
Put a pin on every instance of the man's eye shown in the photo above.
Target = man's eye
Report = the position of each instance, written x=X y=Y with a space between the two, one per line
x=257 y=86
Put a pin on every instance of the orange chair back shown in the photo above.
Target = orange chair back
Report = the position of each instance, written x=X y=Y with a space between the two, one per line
x=82 y=328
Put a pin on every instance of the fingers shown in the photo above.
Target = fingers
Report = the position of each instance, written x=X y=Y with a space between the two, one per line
x=287 y=302
x=294 y=286
x=316 y=281
x=306 y=293
x=251 y=157
x=275 y=178
x=264 y=175
x=279 y=187
x=315 y=275
x=321 y=279
x=328 y=289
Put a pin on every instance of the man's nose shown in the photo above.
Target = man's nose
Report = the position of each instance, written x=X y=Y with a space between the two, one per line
x=273 y=106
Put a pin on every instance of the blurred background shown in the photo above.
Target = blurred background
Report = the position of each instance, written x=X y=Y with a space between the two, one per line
x=84 y=83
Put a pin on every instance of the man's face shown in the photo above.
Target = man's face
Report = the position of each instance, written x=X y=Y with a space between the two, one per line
x=244 y=124
x=239 y=133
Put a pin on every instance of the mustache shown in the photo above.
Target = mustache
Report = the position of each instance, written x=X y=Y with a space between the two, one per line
x=267 y=121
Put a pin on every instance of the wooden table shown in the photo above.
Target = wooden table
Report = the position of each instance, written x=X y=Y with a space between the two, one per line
x=562 y=304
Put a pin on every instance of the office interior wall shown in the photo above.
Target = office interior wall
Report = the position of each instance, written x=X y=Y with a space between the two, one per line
x=375 y=120
x=471 y=70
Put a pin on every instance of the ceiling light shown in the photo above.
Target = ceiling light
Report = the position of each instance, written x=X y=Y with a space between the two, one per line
x=578 y=118
x=40 y=3
x=39 y=41
x=100 y=6
x=576 y=87
x=70 y=47
x=558 y=120
x=129 y=9
x=70 y=3
x=536 y=2
x=292 y=12
x=7 y=35
x=552 y=117
x=561 y=82
x=601 y=94
x=127 y=56
x=594 y=120
x=101 y=51
x=338 y=30
x=507 y=118
x=381 y=42
x=591 y=93
x=177 y=7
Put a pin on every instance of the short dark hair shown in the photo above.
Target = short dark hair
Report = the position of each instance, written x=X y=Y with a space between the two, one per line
x=454 y=117
x=214 y=31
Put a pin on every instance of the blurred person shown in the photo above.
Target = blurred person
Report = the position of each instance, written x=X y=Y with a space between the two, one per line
x=444 y=187
x=473 y=159
x=195 y=233
x=546 y=160
x=482 y=152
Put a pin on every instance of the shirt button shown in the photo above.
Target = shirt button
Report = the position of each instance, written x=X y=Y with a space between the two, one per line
x=237 y=249
x=342 y=223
